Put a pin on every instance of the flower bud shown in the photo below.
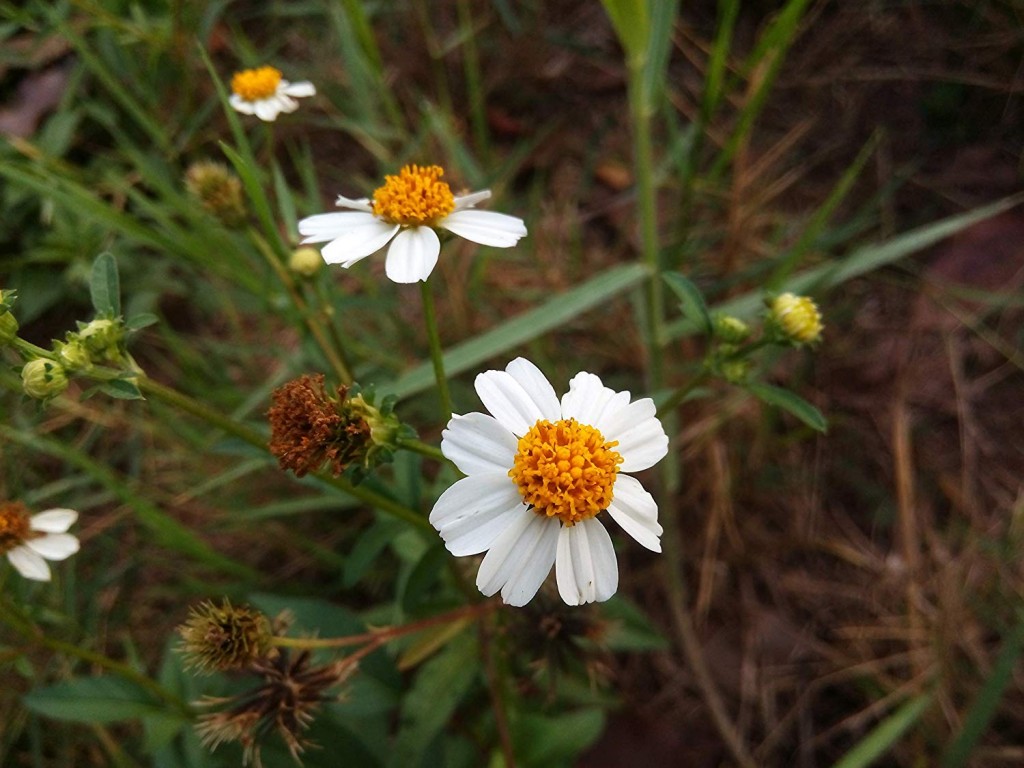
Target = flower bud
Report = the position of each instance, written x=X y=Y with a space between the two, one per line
x=218 y=190
x=796 y=317
x=102 y=339
x=8 y=327
x=73 y=355
x=43 y=379
x=305 y=261
x=731 y=330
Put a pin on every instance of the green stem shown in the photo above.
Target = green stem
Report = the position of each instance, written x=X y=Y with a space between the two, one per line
x=680 y=394
x=24 y=626
x=247 y=434
x=309 y=317
x=436 y=354
x=30 y=350
x=418 y=446
x=471 y=68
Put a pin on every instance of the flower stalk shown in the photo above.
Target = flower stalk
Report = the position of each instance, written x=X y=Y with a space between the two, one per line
x=436 y=353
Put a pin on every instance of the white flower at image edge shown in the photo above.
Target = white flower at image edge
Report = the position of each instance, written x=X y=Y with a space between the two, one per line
x=405 y=212
x=538 y=472
x=41 y=537
x=265 y=93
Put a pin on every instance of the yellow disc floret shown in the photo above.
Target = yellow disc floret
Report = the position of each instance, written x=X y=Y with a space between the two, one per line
x=415 y=196
x=798 y=317
x=565 y=469
x=14 y=525
x=256 y=84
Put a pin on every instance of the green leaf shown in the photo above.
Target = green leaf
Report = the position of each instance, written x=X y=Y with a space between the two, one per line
x=546 y=741
x=691 y=300
x=629 y=629
x=104 y=286
x=632 y=25
x=554 y=313
x=796 y=405
x=440 y=685
x=94 y=700
x=885 y=734
x=958 y=753
x=122 y=389
x=140 y=321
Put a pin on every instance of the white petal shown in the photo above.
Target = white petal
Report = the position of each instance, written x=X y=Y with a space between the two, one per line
x=54 y=546
x=241 y=105
x=327 y=226
x=300 y=89
x=358 y=204
x=412 y=256
x=636 y=512
x=359 y=242
x=519 y=396
x=53 y=520
x=485 y=227
x=468 y=201
x=586 y=568
x=477 y=443
x=29 y=564
x=285 y=103
x=520 y=558
x=641 y=437
x=267 y=109
x=473 y=512
x=588 y=400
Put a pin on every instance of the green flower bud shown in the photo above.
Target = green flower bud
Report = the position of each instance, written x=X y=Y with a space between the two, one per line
x=735 y=371
x=731 y=329
x=218 y=190
x=73 y=355
x=102 y=339
x=305 y=261
x=43 y=379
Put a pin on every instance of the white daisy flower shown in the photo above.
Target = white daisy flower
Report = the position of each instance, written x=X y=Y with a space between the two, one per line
x=264 y=93
x=538 y=472
x=30 y=541
x=407 y=210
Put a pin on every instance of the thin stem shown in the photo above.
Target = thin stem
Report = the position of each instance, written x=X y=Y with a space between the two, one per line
x=309 y=317
x=677 y=397
x=418 y=446
x=381 y=636
x=24 y=626
x=496 y=690
x=436 y=355
x=471 y=67
x=641 y=111
x=247 y=434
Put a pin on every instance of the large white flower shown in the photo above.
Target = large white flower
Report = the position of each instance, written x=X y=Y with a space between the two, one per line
x=406 y=210
x=265 y=93
x=538 y=472
x=30 y=541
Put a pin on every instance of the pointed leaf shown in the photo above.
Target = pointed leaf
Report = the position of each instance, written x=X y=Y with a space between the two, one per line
x=796 y=405
x=691 y=300
x=104 y=286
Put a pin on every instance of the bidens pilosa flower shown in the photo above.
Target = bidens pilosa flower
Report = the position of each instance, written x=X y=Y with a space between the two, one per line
x=265 y=93
x=797 y=318
x=30 y=540
x=405 y=211
x=539 y=471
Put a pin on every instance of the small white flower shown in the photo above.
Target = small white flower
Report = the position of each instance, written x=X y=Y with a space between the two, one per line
x=538 y=471
x=264 y=93
x=406 y=210
x=30 y=541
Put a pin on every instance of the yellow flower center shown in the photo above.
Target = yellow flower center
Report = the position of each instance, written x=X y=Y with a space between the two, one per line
x=565 y=469
x=256 y=84
x=414 y=197
x=14 y=525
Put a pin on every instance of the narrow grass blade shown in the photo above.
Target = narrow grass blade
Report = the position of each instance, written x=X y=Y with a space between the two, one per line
x=632 y=24
x=789 y=401
x=860 y=262
x=958 y=753
x=552 y=314
x=885 y=734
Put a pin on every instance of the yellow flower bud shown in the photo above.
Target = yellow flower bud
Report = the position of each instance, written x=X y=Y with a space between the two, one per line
x=43 y=379
x=305 y=261
x=797 y=317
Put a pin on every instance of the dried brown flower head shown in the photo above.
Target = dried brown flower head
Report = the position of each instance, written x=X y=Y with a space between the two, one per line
x=290 y=692
x=225 y=637
x=309 y=429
